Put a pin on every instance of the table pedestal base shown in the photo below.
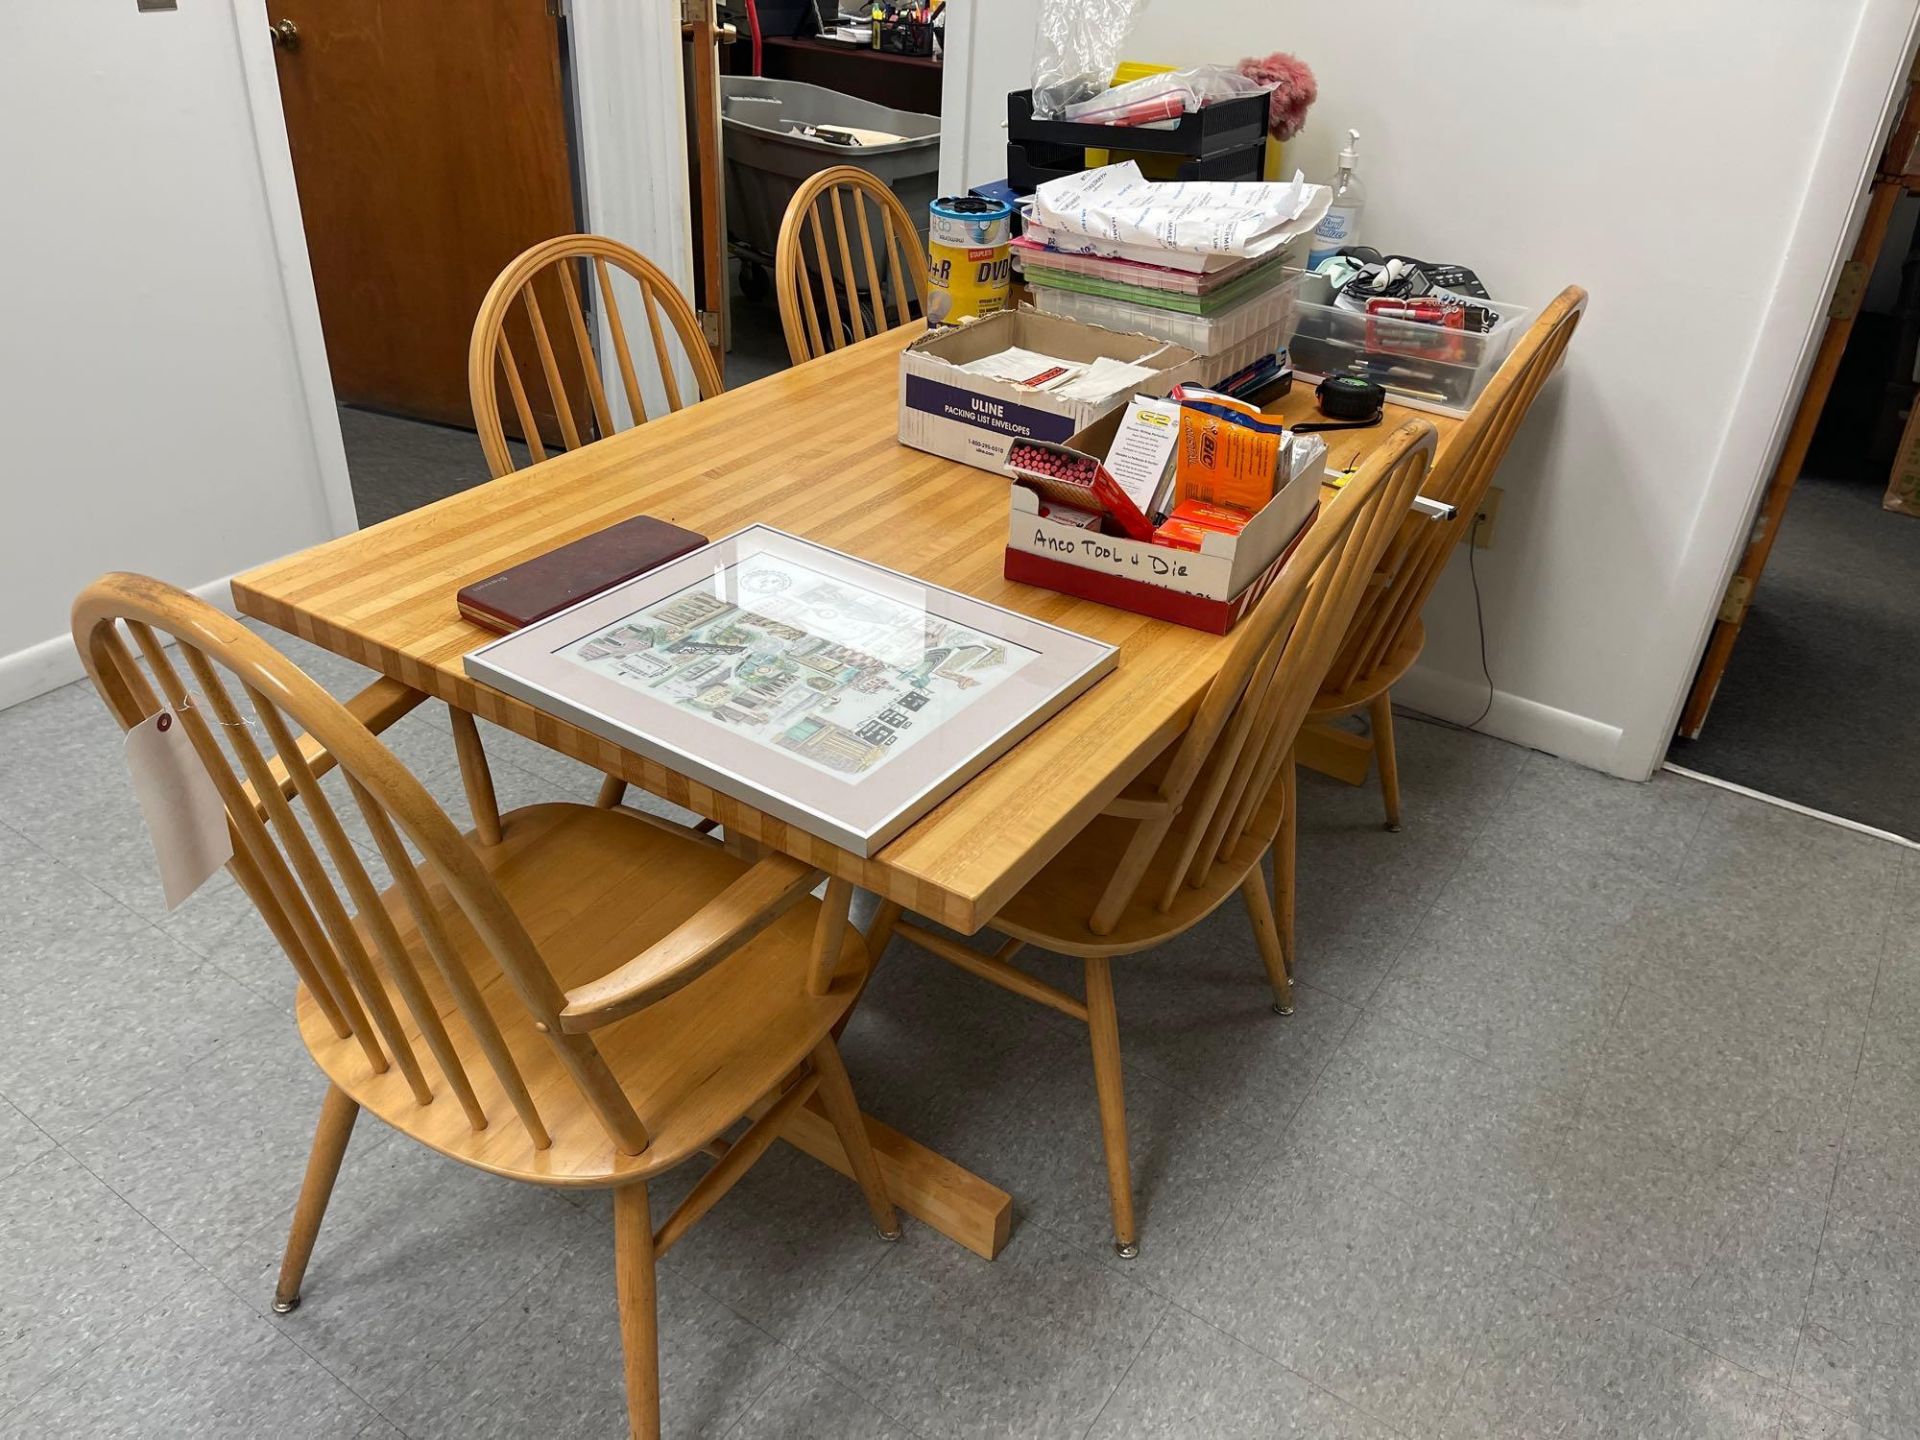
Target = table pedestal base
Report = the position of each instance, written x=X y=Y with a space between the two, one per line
x=1332 y=751
x=929 y=1187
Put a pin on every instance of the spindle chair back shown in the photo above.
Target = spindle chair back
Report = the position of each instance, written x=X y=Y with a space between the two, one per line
x=1386 y=635
x=1421 y=549
x=550 y=286
x=1221 y=773
x=242 y=705
x=822 y=293
x=1199 y=823
x=598 y=998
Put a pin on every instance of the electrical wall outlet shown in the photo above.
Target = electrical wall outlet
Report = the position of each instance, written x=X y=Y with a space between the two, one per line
x=1487 y=518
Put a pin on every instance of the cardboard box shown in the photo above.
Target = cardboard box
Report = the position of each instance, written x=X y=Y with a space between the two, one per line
x=1205 y=589
x=1220 y=569
x=1098 y=492
x=974 y=419
x=1144 y=596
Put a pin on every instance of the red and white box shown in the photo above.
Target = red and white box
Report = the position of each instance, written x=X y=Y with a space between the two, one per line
x=1205 y=589
x=1077 y=481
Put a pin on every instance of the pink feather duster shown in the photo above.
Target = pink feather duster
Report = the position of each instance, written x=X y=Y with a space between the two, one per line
x=1294 y=91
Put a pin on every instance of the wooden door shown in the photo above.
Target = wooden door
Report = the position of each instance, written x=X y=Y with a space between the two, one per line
x=430 y=146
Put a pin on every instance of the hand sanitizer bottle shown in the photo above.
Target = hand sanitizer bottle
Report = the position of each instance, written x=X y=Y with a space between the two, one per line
x=1342 y=225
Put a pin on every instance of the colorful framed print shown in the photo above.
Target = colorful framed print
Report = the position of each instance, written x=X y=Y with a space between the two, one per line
x=839 y=696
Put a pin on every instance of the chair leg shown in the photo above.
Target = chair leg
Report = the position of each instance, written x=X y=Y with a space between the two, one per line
x=612 y=791
x=633 y=1279
x=1381 y=713
x=337 y=1114
x=1285 y=860
x=836 y=1094
x=1103 y=1021
x=1266 y=935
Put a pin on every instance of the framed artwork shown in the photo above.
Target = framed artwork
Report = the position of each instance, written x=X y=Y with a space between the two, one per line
x=841 y=697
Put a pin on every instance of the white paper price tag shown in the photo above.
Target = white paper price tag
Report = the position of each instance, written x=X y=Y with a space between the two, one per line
x=184 y=814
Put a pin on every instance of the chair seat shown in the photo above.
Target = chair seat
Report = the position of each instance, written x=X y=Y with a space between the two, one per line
x=1052 y=909
x=594 y=888
x=1332 y=704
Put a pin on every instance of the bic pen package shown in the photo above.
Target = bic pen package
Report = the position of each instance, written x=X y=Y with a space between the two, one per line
x=1230 y=453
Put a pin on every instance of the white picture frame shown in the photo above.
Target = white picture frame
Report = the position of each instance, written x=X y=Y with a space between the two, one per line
x=799 y=680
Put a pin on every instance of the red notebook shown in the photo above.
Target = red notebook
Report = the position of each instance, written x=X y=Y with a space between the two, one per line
x=547 y=584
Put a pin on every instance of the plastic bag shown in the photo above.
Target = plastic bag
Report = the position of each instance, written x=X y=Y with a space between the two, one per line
x=1076 y=44
x=1156 y=99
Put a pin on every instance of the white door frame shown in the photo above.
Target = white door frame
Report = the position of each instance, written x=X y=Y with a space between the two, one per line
x=630 y=128
x=296 y=266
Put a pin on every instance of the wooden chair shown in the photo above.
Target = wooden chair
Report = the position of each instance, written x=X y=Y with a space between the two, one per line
x=1197 y=825
x=559 y=267
x=889 y=248
x=1387 y=636
x=586 y=1001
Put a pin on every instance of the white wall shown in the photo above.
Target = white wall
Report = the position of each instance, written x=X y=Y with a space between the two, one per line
x=159 y=350
x=989 y=52
x=1661 y=155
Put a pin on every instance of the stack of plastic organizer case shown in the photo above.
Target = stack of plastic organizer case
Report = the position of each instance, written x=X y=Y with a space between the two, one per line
x=1231 y=316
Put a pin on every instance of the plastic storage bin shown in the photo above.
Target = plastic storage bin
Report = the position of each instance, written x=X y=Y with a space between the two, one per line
x=1227 y=341
x=1031 y=164
x=1229 y=125
x=1226 y=141
x=1423 y=366
x=767 y=162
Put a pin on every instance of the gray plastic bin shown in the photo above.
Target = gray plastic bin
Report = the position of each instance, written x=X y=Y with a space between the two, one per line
x=767 y=162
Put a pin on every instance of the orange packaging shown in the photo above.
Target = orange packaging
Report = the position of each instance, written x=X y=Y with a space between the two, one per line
x=1181 y=534
x=1210 y=517
x=1190 y=522
x=1230 y=453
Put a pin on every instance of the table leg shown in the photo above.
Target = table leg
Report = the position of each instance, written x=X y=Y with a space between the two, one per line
x=476 y=775
x=925 y=1184
x=743 y=847
x=928 y=1186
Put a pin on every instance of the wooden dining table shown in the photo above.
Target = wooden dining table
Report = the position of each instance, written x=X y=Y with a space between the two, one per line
x=813 y=451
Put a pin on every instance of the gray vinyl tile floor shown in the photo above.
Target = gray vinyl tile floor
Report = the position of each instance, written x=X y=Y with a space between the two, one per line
x=1600 y=1116
x=1817 y=698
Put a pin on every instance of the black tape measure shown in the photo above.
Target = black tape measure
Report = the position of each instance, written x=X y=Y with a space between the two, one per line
x=1351 y=402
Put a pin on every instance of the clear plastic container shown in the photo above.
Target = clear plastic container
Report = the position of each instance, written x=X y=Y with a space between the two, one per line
x=1420 y=365
x=1269 y=313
